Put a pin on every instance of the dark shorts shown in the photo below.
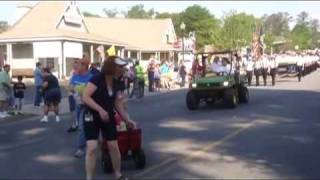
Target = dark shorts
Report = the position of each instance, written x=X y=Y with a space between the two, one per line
x=93 y=124
x=158 y=81
x=52 y=96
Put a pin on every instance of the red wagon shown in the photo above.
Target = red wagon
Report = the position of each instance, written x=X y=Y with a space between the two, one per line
x=128 y=141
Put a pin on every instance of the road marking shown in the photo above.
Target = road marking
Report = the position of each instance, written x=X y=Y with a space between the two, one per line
x=195 y=153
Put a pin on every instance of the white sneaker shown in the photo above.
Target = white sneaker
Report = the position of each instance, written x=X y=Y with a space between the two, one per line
x=44 y=119
x=57 y=119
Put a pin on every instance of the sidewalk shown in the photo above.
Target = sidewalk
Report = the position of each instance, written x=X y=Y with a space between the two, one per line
x=64 y=105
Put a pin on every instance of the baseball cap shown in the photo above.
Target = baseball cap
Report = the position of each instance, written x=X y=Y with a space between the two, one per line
x=121 y=62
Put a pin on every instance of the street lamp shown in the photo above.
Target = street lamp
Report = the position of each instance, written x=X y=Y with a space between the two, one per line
x=182 y=27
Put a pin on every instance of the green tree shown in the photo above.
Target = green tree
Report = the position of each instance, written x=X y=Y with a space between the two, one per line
x=276 y=26
x=198 y=19
x=110 y=12
x=88 y=14
x=315 y=34
x=3 y=26
x=301 y=36
x=303 y=18
x=236 y=30
x=138 y=11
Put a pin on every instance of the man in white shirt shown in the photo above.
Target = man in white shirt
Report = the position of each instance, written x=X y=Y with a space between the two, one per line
x=300 y=62
x=257 y=70
x=225 y=68
x=249 y=69
x=215 y=66
x=273 y=69
x=265 y=68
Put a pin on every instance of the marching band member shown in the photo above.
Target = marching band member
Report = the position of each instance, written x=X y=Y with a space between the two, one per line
x=265 y=68
x=257 y=70
x=273 y=69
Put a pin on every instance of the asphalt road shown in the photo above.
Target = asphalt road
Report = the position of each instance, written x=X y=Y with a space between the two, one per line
x=274 y=136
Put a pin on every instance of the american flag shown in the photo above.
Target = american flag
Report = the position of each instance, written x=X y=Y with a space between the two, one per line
x=258 y=44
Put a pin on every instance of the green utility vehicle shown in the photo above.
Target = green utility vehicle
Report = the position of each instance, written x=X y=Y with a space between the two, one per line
x=210 y=87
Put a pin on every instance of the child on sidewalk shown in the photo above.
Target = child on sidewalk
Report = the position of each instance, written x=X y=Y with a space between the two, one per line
x=18 y=89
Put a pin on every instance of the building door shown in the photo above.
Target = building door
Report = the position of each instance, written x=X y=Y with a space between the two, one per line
x=51 y=63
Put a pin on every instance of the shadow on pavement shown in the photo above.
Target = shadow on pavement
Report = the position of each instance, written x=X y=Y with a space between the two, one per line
x=281 y=142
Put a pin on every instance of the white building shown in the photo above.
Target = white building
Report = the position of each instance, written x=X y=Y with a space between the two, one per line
x=56 y=32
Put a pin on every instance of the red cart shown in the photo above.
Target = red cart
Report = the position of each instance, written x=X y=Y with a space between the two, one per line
x=128 y=141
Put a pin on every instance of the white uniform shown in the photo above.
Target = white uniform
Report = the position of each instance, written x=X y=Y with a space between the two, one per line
x=257 y=64
x=215 y=67
x=273 y=63
x=300 y=61
x=265 y=63
x=249 y=65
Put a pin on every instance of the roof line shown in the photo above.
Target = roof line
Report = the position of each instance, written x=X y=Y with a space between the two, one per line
x=119 y=18
x=63 y=13
x=19 y=20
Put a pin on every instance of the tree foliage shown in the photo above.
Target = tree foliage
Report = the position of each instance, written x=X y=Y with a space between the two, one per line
x=138 y=11
x=234 y=30
x=199 y=19
x=3 y=26
x=88 y=14
x=111 y=12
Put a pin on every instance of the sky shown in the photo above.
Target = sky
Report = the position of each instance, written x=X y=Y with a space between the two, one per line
x=257 y=8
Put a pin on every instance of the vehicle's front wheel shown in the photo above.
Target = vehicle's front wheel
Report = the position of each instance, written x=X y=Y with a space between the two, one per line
x=231 y=98
x=192 y=101
x=243 y=94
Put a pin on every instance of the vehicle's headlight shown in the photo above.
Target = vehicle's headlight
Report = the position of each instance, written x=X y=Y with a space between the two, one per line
x=226 y=83
x=194 y=85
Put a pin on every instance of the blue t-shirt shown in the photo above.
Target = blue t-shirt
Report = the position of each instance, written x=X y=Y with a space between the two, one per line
x=164 y=69
x=77 y=81
x=38 y=79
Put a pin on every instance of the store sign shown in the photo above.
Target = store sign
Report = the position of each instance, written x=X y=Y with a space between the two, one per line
x=189 y=44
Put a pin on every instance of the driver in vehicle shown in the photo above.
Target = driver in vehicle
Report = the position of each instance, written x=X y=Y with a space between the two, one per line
x=220 y=67
x=226 y=67
x=216 y=65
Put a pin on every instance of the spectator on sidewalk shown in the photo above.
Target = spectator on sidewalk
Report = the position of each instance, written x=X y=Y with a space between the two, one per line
x=38 y=80
x=5 y=91
x=77 y=85
x=19 y=88
x=138 y=83
x=52 y=95
x=71 y=100
x=94 y=68
x=164 y=71
x=157 y=78
x=151 y=69
x=183 y=74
